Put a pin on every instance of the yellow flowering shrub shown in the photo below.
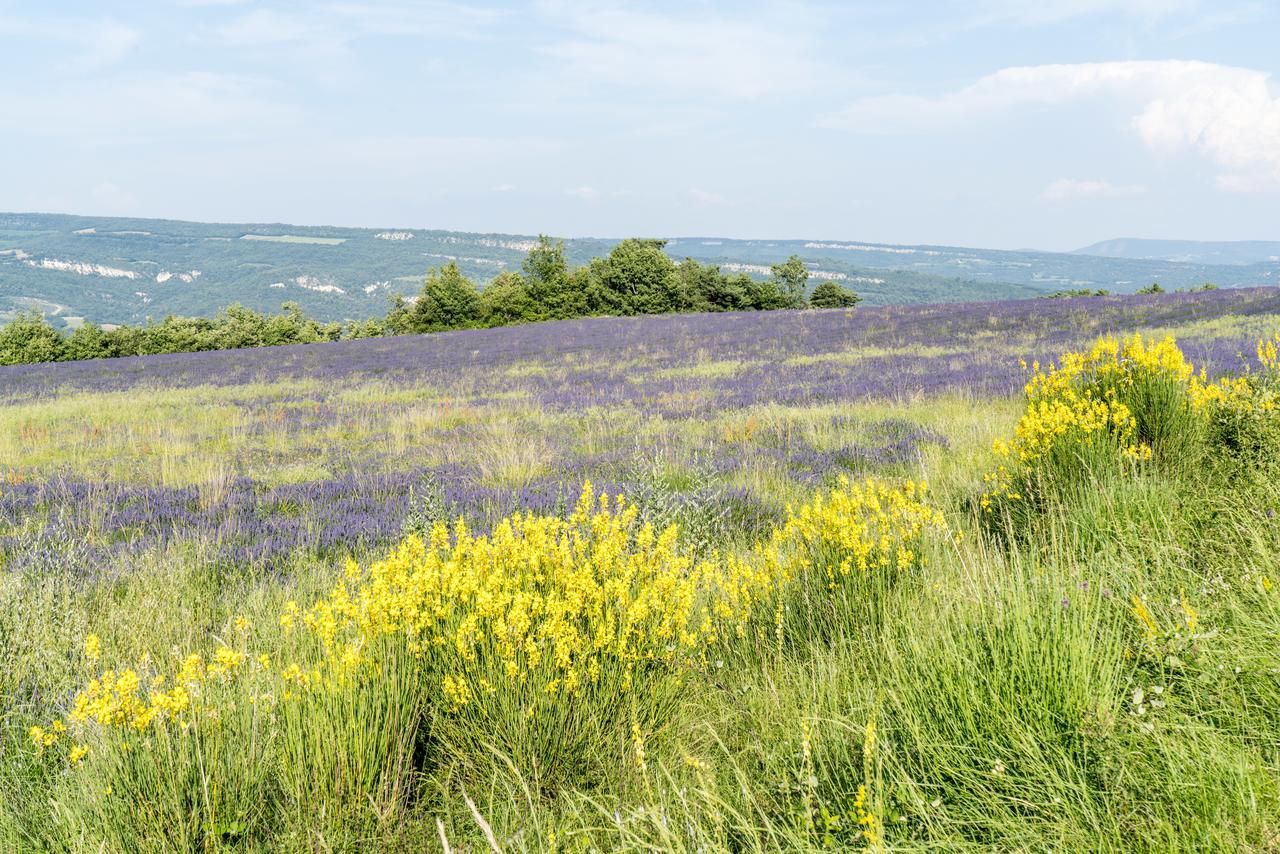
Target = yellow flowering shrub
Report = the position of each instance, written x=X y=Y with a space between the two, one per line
x=1120 y=403
x=836 y=555
x=537 y=638
x=862 y=527
x=1125 y=402
x=551 y=640
x=183 y=743
x=1243 y=412
x=128 y=701
x=541 y=600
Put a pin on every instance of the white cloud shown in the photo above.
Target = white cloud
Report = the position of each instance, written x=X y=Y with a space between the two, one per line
x=1226 y=114
x=1067 y=189
x=586 y=194
x=742 y=55
x=103 y=45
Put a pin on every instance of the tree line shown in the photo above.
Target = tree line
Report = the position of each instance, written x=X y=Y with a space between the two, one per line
x=636 y=278
x=1153 y=288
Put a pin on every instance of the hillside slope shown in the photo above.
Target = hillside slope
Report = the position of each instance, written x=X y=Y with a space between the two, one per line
x=1264 y=252
x=118 y=270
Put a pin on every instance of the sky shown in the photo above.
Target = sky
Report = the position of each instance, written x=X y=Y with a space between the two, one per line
x=991 y=123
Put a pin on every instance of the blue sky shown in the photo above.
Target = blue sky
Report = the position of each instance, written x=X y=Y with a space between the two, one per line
x=995 y=123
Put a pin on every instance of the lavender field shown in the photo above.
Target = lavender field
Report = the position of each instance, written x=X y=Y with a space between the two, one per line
x=258 y=455
x=151 y=501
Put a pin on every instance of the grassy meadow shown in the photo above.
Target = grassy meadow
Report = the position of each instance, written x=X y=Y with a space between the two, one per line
x=700 y=597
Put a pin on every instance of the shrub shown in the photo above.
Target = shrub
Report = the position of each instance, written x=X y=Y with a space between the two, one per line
x=843 y=551
x=538 y=641
x=29 y=338
x=166 y=761
x=554 y=649
x=1244 y=413
x=832 y=295
x=1098 y=414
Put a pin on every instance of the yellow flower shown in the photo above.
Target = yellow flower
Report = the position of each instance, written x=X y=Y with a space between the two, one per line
x=1144 y=616
x=92 y=647
x=637 y=745
x=1189 y=614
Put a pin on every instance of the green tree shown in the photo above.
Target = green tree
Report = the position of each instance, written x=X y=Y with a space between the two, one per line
x=369 y=328
x=1153 y=288
x=127 y=340
x=397 y=321
x=506 y=300
x=90 y=341
x=292 y=326
x=791 y=278
x=761 y=294
x=828 y=294
x=637 y=277
x=29 y=338
x=549 y=284
x=449 y=300
x=178 y=335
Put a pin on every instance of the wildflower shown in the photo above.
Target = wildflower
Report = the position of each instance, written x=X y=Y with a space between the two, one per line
x=1189 y=614
x=225 y=659
x=92 y=647
x=457 y=691
x=77 y=754
x=637 y=744
x=1144 y=616
x=41 y=738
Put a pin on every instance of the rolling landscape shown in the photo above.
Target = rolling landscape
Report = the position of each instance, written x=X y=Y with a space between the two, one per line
x=696 y=482
x=112 y=270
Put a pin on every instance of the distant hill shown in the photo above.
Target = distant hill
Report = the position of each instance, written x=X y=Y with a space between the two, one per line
x=1188 y=251
x=119 y=270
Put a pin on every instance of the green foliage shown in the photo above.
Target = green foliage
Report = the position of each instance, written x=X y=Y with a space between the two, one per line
x=791 y=277
x=89 y=341
x=1078 y=292
x=552 y=291
x=1153 y=288
x=1106 y=683
x=830 y=294
x=506 y=301
x=449 y=300
x=29 y=338
x=637 y=277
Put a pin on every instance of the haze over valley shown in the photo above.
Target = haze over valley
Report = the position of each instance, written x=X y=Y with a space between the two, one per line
x=113 y=270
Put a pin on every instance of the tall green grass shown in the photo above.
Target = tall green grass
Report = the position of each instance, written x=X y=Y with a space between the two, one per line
x=1106 y=680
